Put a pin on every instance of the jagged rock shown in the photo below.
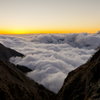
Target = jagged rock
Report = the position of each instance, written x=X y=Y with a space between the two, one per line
x=82 y=83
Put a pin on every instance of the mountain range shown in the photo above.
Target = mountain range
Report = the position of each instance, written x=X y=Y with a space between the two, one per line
x=83 y=83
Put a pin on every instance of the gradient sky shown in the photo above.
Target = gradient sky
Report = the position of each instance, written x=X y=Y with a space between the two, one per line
x=49 y=16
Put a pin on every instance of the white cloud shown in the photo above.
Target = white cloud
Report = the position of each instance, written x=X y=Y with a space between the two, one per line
x=52 y=56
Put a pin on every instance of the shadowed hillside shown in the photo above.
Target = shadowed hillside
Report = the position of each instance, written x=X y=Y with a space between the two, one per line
x=14 y=85
x=6 y=53
x=83 y=83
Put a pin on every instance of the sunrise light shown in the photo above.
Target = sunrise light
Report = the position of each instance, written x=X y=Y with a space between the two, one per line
x=57 y=16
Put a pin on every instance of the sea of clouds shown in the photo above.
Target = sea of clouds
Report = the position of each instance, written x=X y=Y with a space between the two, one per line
x=52 y=56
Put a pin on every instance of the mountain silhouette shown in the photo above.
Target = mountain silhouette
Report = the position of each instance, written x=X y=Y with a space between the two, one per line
x=14 y=85
x=6 y=53
x=82 y=83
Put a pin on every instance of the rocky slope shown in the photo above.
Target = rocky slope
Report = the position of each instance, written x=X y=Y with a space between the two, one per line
x=14 y=85
x=83 y=83
x=6 y=53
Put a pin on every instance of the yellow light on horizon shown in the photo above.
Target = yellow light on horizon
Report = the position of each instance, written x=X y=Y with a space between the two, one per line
x=14 y=32
x=48 y=31
x=18 y=32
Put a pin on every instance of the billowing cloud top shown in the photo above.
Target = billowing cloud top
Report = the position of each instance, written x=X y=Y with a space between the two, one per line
x=52 y=56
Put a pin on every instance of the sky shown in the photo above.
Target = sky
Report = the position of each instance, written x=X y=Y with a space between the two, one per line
x=49 y=16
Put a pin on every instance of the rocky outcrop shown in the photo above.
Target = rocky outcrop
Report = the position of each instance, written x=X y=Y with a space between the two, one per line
x=14 y=85
x=82 y=83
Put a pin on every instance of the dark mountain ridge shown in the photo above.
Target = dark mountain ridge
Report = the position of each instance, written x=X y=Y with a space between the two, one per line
x=82 y=83
x=6 y=53
x=14 y=85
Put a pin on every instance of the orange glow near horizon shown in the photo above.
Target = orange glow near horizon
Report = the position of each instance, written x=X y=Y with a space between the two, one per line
x=49 y=16
x=59 y=31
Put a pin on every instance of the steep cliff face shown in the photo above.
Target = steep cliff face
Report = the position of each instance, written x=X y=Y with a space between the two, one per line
x=14 y=85
x=6 y=53
x=82 y=83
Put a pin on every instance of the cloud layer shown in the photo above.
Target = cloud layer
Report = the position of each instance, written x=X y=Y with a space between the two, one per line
x=52 y=56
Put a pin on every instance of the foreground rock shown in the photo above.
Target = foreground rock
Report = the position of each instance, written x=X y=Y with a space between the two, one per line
x=14 y=85
x=83 y=83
